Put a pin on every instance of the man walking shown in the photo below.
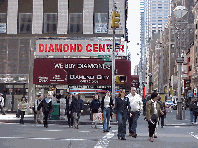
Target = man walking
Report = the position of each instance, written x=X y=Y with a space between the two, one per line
x=46 y=105
x=38 y=113
x=77 y=107
x=2 y=104
x=136 y=106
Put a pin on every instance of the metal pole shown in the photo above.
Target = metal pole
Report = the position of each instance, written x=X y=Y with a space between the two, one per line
x=113 y=66
x=113 y=62
x=179 y=103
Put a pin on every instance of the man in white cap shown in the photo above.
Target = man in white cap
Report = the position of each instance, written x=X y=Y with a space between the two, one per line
x=2 y=104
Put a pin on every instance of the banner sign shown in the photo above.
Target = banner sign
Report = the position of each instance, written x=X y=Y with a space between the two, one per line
x=77 y=71
x=78 y=47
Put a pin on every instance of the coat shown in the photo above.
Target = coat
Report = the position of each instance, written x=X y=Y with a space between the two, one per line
x=68 y=104
x=22 y=106
x=77 y=105
x=150 y=110
x=122 y=105
x=110 y=103
x=95 y=104
x=46 y=104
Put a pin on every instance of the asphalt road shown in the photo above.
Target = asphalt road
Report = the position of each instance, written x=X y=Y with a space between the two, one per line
x=14 y=135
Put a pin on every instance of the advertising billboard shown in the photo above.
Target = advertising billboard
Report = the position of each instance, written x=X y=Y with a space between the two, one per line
x=52 y=47
x=78 y=71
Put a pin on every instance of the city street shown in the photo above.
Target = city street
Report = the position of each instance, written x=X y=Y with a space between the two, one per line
x=61 y=136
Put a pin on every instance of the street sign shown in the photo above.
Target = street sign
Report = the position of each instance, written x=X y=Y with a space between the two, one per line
x=105 y=57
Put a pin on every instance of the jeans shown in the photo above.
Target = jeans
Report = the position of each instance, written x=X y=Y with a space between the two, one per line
x=152 y=127
x=46 y=114
x=162 y=120
x=22 y=113
x=122 y=117
x=39 y=113
x=133 y=122
x=70 y=118
x=191 y=116
x=76 y=117
x=106 y=118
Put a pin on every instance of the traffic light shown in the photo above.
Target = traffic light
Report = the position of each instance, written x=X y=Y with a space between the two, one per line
x=120 y=79
x=115 y=19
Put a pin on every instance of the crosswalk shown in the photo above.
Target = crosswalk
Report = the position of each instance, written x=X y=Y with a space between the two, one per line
x=194 y=135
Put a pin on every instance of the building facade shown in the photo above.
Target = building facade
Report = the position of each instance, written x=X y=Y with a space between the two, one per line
x=54 y=29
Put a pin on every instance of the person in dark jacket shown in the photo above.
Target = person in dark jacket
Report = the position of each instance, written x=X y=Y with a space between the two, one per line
x=122 y=106
x=191 y=110
x=46 y=105
x=69 y=99
x=77 y=107
x=95 y=105
x=195 y=110
x=106 y=106
x=163 y=109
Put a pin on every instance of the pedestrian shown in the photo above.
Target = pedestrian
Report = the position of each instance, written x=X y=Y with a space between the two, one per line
x=38 y=112
x=136 y=106
x=94 y=106
x=163 y=111
x=191 y=110
x=2 y=104
x=22 y=106
x=152 y=109
x=106 y=106
x=77 y=107
x=195 y=110
x=46 y=105
x=122 y=106
x=69 y=99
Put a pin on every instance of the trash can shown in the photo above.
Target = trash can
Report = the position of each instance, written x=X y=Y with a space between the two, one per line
x=55 y=113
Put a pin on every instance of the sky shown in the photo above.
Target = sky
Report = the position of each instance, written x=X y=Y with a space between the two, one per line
x=134 y=32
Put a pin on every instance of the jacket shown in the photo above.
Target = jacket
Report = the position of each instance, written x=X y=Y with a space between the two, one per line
x=46 y=104
x=68 y=104
x=37 y=102
x=110 y=103
x=150 y=109
x=77 y=105
x=95 y=104
x=22 y=106
x=122 y=105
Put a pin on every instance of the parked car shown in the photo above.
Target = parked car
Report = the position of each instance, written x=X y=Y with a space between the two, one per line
x=169 y=104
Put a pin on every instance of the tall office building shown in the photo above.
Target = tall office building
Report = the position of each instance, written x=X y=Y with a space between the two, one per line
x=153 y=15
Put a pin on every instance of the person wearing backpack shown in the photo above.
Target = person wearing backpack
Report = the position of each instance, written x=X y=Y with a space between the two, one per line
x=38 y=113
x=46 y=105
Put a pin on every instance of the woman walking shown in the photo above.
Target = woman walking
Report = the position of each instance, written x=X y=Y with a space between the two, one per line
x=152 y=110
x=106 y=106
x=69 y=100
x=22 y=106
x=122 y=106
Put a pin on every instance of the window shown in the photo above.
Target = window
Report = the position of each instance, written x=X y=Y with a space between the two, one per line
x=159 y=4
x=153 y=4
x=50 y=22
x=159 y=20
x=75 y=23
x=159 y=24
x=153 y=7
x=165 y=7
x=3 y=22
x=100 y=22
x=153 y=20
x=25 y=22
x=160 y=17
x=159 y=7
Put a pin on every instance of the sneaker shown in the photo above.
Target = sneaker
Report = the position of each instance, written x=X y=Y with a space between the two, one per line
x=155 y=136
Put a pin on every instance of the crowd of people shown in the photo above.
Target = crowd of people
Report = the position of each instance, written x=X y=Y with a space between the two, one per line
x=126 y=107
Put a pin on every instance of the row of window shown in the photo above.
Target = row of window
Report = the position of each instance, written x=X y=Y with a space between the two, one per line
x=159 y=20
x=51 y=20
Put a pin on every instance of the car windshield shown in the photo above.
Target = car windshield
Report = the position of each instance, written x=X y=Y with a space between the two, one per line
x=170 y=101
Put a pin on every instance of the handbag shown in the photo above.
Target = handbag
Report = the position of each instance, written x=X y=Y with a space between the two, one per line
x=98 y=117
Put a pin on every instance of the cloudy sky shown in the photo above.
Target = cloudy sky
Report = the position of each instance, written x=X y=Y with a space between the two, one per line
x=134 y=32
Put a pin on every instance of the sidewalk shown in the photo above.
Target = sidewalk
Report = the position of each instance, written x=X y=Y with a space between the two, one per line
x=170 y=119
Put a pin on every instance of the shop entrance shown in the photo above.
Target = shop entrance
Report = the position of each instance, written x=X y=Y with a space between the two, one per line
x=13 y=95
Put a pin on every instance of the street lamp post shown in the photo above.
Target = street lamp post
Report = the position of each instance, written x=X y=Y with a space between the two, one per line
x=179 y=12
x=150 y=76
